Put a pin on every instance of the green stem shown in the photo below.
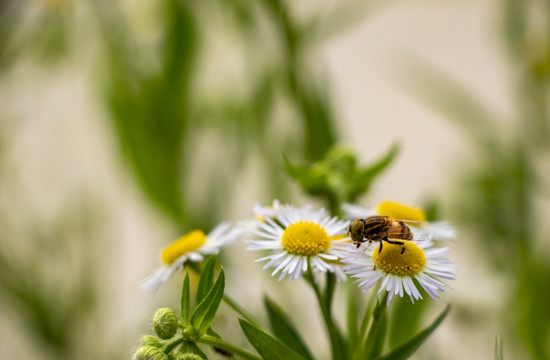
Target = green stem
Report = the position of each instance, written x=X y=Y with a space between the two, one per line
x=336 y=339
x=219 y=343
x=374 y=325
x=239 y=309
x=166 y=348
x=365 y=321
x=352 y=313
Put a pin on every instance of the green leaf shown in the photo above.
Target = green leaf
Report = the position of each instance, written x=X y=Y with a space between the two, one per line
x=312 y=179
x=407 y=349
x=213 y=333
x=405 y=320
x=363 y=178
x=284 y=330
x=498 y=348
x=206 y=310
x=377 y=344
x=267 y=346
x=351 y=313
x=185 y=300
x=206 y=279
x=189 y=347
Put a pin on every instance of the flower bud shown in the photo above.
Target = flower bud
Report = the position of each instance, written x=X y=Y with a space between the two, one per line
x=147 y=352
x=150 y=340
x=189 y=333
x=189 y=356
x=166 y=323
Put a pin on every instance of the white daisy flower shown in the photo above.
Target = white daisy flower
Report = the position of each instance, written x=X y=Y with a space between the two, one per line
x=398 y=265
x=414 y=217
x=262 y=212
x=301 y=237
x=193 y=246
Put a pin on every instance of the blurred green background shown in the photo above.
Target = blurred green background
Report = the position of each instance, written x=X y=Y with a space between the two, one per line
x=124 y=124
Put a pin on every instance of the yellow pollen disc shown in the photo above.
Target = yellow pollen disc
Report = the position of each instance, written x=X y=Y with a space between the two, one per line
x=192 y=241
x=390 y=260
x=305 y=238
x=400 y=211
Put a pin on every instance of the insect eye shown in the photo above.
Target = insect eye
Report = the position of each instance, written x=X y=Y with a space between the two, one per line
x=356 y=227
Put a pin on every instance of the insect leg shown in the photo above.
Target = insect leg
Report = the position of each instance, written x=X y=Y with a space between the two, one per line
x=379 y=251
x=402 y=250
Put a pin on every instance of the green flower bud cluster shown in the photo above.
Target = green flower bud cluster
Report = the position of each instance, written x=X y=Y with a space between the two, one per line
x=172 y=344
x=338 y=177
x=166 y=326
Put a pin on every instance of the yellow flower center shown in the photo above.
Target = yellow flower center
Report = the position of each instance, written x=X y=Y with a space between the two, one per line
x=192 y=241
x=305 y=238
x=395 y=261
x=400 y=211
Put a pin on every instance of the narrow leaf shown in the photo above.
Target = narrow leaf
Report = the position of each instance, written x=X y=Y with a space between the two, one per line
x=267 y=346
x=377 y=344
x=206 y=279
x=185 y=300
x=405 y=350
x=362 y=180
x=498 y=348
x=189 y=347
x=312 y=179
x=206 y=310
x=284 y=330
x=352 y=300
x=405 y=320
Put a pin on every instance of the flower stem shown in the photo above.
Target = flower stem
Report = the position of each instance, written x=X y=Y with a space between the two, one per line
x=372 y=334
x=239 y=309
x=219 y=343
x=365 y=321
x=336 y=339
x=352 y=313
x=166 y=348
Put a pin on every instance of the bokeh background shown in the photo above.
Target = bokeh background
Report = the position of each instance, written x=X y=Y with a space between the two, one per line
x=124 y=124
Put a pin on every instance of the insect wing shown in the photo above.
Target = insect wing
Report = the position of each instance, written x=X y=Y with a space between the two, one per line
x=421 y=234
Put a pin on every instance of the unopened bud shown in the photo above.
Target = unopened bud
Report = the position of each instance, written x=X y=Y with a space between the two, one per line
x=189 y=357
x=150 y=340
x=166 y=323
x=147 y=353
x=189 y=333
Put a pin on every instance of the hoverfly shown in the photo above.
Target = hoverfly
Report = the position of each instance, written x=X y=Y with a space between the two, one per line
x=383 y=229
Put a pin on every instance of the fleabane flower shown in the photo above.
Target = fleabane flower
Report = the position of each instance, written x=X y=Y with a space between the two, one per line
x=271 y=211
x=298 y=238
x=193 y=246
x=415 y=218
x=398 y=266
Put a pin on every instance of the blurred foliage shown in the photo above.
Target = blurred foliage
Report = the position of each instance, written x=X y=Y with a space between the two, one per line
x=188 y=145
x=500 y=192
x=162 y=115
x=57 y=307
x=35 y=30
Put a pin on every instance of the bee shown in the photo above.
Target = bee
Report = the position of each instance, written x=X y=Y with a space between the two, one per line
x=380 y=228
